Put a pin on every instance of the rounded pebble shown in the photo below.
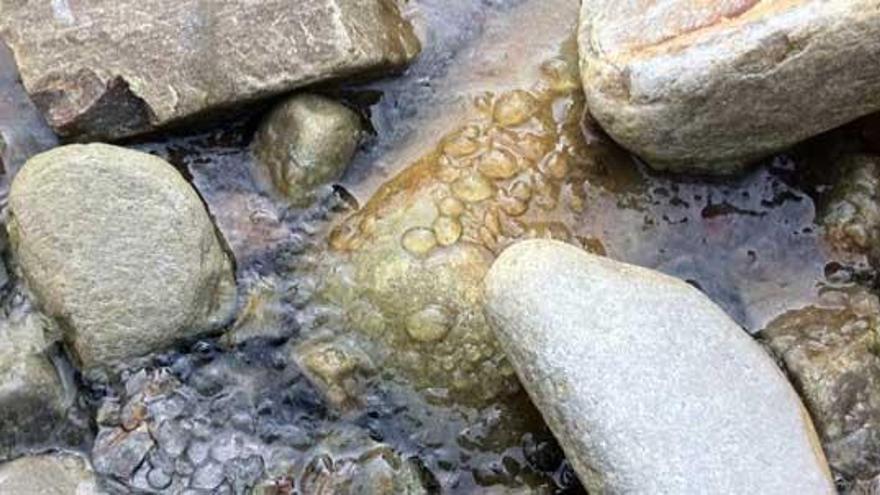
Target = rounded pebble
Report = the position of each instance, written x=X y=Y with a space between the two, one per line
x=419 y=240
x=514 y=108
x=431 y=324
x=472 y=188
x=447 y=230
x=498 y=164
x=451 y=207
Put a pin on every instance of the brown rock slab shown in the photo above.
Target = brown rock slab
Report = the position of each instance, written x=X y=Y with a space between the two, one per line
x=110 y=70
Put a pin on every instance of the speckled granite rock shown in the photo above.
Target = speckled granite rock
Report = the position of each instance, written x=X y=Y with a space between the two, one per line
x=102 y=71
x=647 y=384
x=56 y=474
x=119 y=249
x=832 y=355
x=707 y=86
x=306 y=142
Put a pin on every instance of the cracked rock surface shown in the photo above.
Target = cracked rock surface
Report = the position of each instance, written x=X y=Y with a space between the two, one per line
x=99 y=71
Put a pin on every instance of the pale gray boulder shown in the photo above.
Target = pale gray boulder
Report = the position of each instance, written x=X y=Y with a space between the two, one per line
x=118 y=248
x=704 y=86
x=110 y=70
x=51 y=474
x=648 y=385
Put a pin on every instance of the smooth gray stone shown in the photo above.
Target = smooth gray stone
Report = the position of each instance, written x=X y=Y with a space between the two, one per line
x=103 y=70
x=648 y=385
x=710 y=86
x=118 y=248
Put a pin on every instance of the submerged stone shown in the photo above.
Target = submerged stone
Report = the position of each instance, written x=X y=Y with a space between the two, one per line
x=307 y=142
x=407 y=269
x=851 y=213
x=33 y=398
x=119 y=250
x=648 y=385
x=831 y=354
x=711 y=86
x=99 y=72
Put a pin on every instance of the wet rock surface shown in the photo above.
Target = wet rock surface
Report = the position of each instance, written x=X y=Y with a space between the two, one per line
x=672 y=400
x=99 y=72
x=333 y=374
x=305 y=143
x=52 y=474
x=34 y=397
x=831 y=354
x=851 y=215
x=712 y=86
x=119 y=250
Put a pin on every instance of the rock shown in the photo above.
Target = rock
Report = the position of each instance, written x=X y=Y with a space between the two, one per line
x=33 y=396
x=307 y=142
x=709 y=87
x=99 y=72
x=118 y=249
x=118 y=452
x=647 y=384
x=832 y=355
x=851 y=213
x=348 y=462
x=56 y=474
x=407 y=269
x=339 y=369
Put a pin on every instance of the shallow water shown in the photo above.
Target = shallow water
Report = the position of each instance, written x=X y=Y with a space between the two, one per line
x=249 y=411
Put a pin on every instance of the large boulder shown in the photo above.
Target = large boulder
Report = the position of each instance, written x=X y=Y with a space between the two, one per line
x=691 y=85
x=648 y=385
x=306 y=142
x=99 y=71
x=119 y=249
x=832 y=355
x=56 y=474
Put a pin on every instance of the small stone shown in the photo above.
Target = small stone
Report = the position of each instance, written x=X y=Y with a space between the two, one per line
x=306 y=142
x=447 y=230
x=473 y=188
x=647 y=384
x=208 y=476
x=419 y=240
x=462 y=143
x=119 y=453
x=431 y=324
x=555 y=166
x=451 y=207
x=337 y=369
x=515 y=108
x=521 y=190
x=498 y=164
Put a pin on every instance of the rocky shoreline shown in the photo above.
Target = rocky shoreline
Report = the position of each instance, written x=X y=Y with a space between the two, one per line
x=382 y=247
